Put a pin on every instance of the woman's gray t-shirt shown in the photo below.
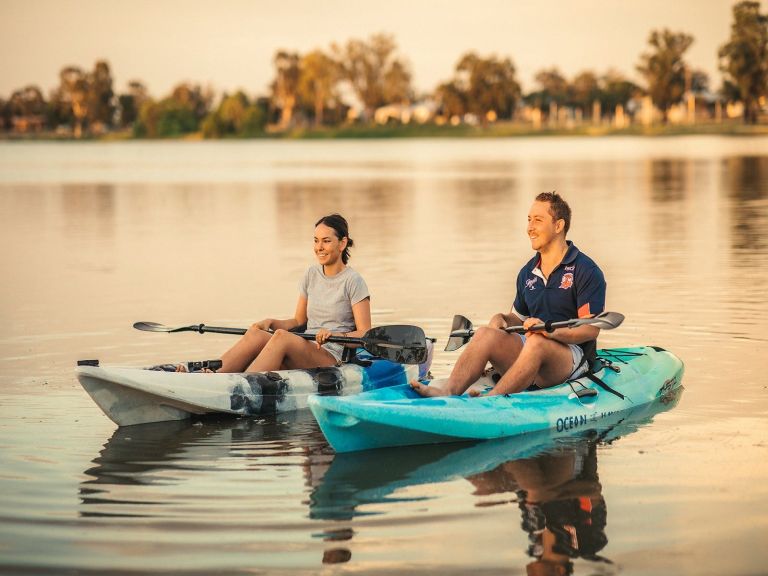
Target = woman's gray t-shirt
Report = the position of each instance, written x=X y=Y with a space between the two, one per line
x=330 y=298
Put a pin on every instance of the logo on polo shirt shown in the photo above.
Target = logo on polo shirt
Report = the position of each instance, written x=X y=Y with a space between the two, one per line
x=566 y=281
x=531 y=283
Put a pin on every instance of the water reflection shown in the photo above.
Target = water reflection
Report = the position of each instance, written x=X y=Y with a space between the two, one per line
x=171 y=453
x=552 y=477
x=561 y=503
x=747 y=186
x=747 y=177
x=158 y=472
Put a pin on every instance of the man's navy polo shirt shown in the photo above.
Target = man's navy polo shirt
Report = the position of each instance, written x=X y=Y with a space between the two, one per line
x=575 y=289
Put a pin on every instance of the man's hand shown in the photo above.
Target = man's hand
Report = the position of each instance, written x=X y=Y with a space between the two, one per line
x=497 y=321
x=530 y=322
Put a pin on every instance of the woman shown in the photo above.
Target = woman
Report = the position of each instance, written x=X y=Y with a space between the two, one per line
x=333 y=301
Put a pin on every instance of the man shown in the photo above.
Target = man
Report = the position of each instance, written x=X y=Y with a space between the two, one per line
x=558 y=283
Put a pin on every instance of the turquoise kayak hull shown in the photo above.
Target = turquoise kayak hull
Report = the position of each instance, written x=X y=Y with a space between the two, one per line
x=356 y=480
x=397 y=416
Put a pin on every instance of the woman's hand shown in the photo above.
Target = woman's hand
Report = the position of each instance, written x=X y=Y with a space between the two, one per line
x=265 y=324
x=322 y=336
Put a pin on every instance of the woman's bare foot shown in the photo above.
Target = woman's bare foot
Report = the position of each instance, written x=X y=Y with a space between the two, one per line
x=183 y=368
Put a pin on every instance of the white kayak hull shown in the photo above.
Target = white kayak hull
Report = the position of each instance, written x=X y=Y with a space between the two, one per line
x=130 y=396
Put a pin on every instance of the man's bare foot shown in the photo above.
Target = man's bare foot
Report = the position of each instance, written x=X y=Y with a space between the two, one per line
x=427 y=391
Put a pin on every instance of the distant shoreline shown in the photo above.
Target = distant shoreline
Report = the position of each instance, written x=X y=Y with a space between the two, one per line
x=499 y=130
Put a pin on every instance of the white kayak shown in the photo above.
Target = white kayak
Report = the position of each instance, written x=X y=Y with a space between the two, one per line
x=130 y=395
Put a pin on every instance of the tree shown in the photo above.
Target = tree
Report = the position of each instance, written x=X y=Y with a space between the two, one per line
x=554 y=87
x=397 y=84
x=232 y=111
x=5 y=115
x=285 y=85
x=72 y=96
x=176 y=115
x=146 y=122
x=374 y=71
x=28 y=101
x=235 y=116
x=744 y=58
x=130 y=103
x=699 y=81
x=488 y=85
x=175 y=119
x=194 y=98
x=318 y=76
x=254 y=121
x=616 y=90
x=584 y=90
x=664 y=69
x=101 y=98
x=28 y=105
x=452 y=99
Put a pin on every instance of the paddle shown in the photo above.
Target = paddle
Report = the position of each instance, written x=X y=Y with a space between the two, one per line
x=398 y=343
x=462 y=331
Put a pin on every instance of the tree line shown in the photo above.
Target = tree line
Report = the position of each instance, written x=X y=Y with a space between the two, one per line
x=370 y=81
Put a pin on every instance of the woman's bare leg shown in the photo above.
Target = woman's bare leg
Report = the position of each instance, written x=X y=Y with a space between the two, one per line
x=290 y=351
x=237 y=358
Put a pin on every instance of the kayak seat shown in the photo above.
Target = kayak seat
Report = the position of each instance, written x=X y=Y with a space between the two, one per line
x=348 y=356
x=351 y=356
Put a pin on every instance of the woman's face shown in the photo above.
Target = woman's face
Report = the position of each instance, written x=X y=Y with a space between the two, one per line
x=328 y=247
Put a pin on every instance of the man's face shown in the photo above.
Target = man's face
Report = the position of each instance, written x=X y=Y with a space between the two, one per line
x=542 y=227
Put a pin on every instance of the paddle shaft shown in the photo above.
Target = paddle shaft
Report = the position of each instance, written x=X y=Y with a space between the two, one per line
x=398 y=343
x=543 y=327
x=202 y=328
x=606 y=321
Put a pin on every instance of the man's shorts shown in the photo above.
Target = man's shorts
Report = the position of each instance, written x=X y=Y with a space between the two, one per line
x=578 y=368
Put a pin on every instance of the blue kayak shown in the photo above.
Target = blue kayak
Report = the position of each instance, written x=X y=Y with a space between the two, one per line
x=625 y=379
x=355 y=480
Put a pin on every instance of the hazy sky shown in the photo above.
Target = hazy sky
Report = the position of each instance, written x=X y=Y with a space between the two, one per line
x=229 y=44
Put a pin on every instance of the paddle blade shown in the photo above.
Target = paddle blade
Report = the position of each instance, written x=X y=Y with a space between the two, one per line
x=606 y=320
x=152 y=327
x=397 y=343
x=460 y=324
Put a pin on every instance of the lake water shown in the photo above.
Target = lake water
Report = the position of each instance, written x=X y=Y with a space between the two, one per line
x=94 y=237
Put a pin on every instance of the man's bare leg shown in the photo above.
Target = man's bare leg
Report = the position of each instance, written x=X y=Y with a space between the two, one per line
x=542 y=360
x=487 y=345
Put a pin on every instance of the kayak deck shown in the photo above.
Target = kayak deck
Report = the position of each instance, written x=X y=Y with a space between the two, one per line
x=398 y=416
